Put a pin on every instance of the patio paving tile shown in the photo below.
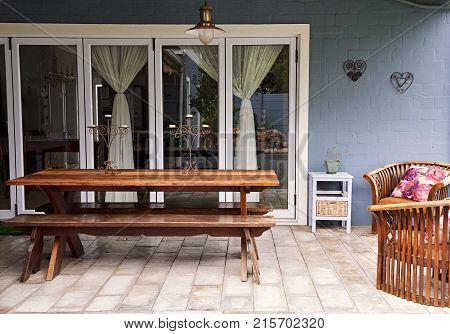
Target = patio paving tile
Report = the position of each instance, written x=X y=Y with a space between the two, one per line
x=75 y=299
x=215 y=260
x=205 y=297
x=16 y=293
x=171 y=303
x=209 y=275
x=118 y=285
x=142 y=295
x=153 y=275
x=304 y=304
x=103 y=304
x=37 y=304
x=237 y=303
x=59 y=286
x=299 y=286
x=301 y=272
x=270 y=297
x=178 y=284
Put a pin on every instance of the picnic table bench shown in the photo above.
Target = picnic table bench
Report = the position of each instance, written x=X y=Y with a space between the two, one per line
x=65 y=219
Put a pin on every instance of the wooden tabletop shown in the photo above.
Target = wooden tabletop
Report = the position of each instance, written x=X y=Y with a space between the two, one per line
x=148 y=178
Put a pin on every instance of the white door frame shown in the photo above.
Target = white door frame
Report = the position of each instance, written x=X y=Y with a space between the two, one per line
x=159 y=43
x=88 y=43
x=6 y=214
x=16 y=43
x=290 y=212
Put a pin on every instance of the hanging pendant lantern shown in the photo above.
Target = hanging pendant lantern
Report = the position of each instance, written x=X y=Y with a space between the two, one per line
x=205 y=29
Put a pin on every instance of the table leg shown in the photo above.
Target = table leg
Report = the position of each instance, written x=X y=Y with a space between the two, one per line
x=255 y=262
x=243 y=195
x=256 y=248
x=243 y=259
x=54 y=267
x=34 y=254
x=76 y=247
x=62 y=203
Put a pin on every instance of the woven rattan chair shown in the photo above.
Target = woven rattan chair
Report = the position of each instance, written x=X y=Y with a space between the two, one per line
x=414 y=251
x=384 y=180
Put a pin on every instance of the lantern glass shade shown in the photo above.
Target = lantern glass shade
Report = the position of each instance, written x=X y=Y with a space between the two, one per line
x=205 y=30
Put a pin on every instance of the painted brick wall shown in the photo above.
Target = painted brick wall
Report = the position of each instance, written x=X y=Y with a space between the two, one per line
x=369 y=123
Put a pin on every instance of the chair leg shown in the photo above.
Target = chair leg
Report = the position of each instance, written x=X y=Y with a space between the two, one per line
x=243 y=259
x=34 y=254
x=54 y=267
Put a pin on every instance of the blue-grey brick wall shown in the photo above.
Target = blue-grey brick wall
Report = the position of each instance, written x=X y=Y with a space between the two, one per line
x=369 y=123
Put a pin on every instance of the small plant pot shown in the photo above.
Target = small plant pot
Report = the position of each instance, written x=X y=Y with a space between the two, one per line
x=332 y=166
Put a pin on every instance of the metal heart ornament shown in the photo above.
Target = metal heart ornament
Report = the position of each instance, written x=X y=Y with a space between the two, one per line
x=402 y=81
x=355 y=69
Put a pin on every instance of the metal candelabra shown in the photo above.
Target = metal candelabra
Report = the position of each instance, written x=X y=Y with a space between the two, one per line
x=189 y=133
x=109 y=133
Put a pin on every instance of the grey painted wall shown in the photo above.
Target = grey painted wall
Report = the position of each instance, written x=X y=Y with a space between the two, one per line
x=370 y=124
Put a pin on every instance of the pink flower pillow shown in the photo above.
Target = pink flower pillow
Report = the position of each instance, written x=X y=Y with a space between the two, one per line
x=418 y=181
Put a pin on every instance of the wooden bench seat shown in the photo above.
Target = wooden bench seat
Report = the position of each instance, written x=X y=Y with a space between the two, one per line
x=156 y=208
x=62 y=226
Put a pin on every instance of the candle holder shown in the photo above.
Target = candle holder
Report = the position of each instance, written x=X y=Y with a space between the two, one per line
x=189 y=133
x=108 y=133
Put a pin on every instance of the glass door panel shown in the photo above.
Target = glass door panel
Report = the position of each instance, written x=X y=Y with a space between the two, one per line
x=49 y=117
x=136 y=95
x=189 y=85
x=262 y=115
x=118 y=70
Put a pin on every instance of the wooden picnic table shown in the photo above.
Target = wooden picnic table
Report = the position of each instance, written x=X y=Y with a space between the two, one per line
x=61 y=184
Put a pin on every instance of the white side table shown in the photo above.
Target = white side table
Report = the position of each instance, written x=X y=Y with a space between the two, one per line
x=329 y=203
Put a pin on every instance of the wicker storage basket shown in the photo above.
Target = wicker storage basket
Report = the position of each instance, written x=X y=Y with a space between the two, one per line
x=331 y=208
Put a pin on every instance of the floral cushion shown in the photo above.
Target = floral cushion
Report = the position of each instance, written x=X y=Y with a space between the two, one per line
x=418 y=181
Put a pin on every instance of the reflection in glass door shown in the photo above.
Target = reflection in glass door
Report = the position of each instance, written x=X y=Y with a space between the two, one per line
x=48 y=117
x=261 y=114
x=7 y=152
x=187 y=83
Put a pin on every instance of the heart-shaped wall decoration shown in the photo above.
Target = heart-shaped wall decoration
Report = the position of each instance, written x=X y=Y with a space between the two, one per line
x=355 y=69
x=402 y=81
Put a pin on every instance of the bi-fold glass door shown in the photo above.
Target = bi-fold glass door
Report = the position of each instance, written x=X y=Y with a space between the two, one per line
x=246 y=94
x=48 y=110
x=243 y=88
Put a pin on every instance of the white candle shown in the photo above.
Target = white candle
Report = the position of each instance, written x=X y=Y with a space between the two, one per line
x=107 y=116
x=205 y=126
x=92 y=126
x=172 y=126
x=189 y=116
x=124 y=126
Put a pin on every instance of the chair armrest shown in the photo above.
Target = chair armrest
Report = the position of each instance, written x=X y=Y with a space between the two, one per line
x=373 y=187
x=439 y=190
x=381 y=180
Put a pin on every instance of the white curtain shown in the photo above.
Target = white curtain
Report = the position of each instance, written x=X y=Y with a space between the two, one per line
x=118 y=66
x=251 y=63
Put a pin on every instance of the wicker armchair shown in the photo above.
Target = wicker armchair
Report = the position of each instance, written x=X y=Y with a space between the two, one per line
x=384 y=180
x=414 y=251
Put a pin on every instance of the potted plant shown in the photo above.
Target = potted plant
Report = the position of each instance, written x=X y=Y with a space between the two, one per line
x=332 y=162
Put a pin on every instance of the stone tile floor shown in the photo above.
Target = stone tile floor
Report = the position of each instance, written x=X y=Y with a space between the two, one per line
x=328 y=272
